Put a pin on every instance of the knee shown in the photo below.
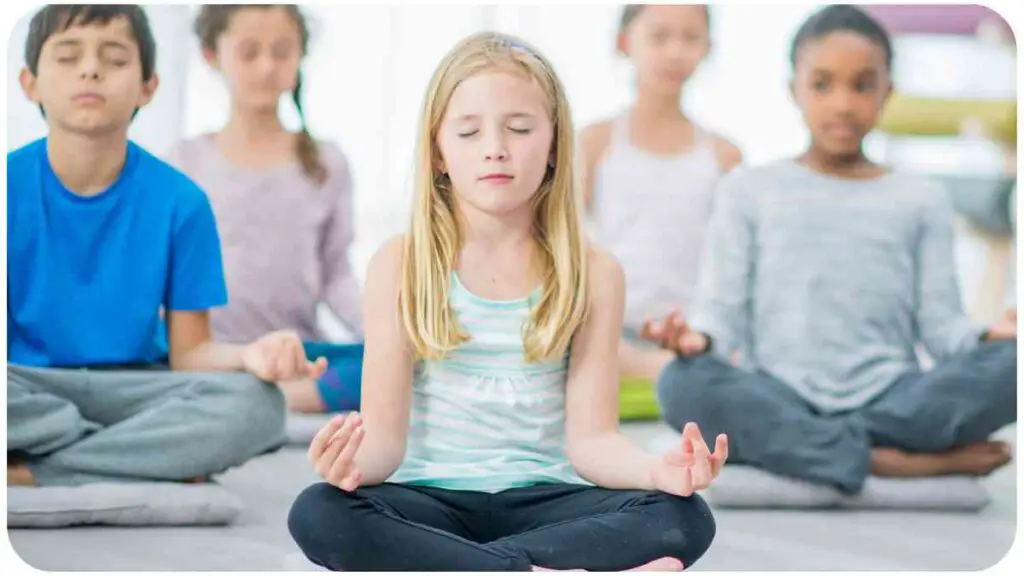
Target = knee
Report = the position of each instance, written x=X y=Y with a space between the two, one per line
x=317 y=523
x=682 y=389
x=251 y=411
x=1003 y=358
x=688 y=527
x=996 y=363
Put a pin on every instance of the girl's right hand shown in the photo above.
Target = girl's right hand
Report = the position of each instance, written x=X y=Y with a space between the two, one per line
x=673 y=333
x=333 y=451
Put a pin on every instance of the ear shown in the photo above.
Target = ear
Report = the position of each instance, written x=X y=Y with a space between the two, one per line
x=211 y=58
x=622 y=44
x=148 y=90
x=792 y=88
x=28 y=85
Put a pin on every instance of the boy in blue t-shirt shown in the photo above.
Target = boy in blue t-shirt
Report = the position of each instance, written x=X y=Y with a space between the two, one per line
x=113 y=263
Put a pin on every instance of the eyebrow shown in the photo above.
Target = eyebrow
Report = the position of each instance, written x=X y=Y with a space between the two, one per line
x=72 y=43
x=511 y=116
x=863 y=72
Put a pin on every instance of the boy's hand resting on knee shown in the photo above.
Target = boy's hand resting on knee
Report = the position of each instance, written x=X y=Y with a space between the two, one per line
x=691 y=466
x=280 y=356
x=333 y=451
x=673 y=333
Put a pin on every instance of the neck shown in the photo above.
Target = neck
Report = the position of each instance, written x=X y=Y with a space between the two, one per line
x=840 y=165
x=657 y=107
x=87 y=165
x=248 y=127
x=490 y=232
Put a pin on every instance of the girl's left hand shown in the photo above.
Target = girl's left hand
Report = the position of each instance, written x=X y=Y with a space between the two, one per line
x=691 y=466
x=280 y=356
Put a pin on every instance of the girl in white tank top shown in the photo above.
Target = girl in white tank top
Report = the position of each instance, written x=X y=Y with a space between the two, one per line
x=652 y=211
x=650 y=189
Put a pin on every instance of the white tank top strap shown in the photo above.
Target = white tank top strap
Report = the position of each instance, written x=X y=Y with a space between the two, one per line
x=702 y=138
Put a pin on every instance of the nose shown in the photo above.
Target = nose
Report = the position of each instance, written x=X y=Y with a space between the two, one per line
x=843 y=101
x=266 y=63
x=90 y=67
x=496 y=150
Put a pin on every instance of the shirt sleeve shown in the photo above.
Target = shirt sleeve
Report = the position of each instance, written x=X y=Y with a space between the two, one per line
x=722 y=300
x=340 y=290
x=943 y=325
x=196 y=279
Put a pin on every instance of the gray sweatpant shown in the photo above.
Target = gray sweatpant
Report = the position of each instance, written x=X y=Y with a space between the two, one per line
x=83 y=426
x=960 y=401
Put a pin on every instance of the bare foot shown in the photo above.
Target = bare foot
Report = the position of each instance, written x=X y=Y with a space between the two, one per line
x=660 y=565
x=977 y=459
x=302 y=396
x=19 y=475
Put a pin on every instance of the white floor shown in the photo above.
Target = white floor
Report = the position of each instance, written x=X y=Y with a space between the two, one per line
x=747 y=540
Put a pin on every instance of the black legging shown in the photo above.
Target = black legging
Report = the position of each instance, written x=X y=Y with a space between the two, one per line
x=402 y=528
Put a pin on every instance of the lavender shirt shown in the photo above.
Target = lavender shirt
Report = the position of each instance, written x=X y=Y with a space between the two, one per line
x=285 y=242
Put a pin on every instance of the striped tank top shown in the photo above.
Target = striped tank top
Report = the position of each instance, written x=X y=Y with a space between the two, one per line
x=483 y=419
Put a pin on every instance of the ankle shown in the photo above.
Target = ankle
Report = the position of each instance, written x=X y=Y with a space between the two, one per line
x=19 y=475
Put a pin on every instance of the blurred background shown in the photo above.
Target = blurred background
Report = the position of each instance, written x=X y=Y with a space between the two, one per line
x=954 y=116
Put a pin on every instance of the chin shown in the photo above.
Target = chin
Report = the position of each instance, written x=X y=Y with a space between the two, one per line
x=498 y=206
x=91 y=127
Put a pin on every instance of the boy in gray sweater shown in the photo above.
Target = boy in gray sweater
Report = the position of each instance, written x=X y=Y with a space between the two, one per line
x=827 y=271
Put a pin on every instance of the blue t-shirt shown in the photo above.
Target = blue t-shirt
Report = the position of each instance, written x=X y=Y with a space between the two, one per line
x=88 y=278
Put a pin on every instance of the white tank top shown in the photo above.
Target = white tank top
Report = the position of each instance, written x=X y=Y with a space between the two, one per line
x=651 y=211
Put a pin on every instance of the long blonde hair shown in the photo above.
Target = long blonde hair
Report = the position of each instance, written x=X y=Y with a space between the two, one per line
x=433 y=242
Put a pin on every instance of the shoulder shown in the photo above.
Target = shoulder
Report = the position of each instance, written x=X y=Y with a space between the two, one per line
x=166 y=182
x=778 y=175
x=334 y=159
x=336 y=162
x=594 y=139
x=919 y=192
x=388 y=258
x=188 y=155
x=606 y=278
x=27 y=154
x=729 y=155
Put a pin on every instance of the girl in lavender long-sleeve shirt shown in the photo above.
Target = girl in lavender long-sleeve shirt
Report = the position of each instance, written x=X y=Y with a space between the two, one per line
x=283 y=201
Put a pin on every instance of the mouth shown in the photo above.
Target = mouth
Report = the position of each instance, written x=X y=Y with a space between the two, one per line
x=497 y=178
x=88 y=98
x=840 y=130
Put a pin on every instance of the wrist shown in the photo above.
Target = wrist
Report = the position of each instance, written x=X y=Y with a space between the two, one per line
x=648 y=482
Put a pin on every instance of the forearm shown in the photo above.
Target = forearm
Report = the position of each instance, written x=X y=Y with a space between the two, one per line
x=378 y=457
x=209 y=356
x=612 y=461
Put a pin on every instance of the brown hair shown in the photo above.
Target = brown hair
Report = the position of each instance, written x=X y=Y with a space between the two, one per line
x=213 y=20
x=631 y=11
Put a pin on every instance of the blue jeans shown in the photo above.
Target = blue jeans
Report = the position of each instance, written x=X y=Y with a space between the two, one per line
x=341 y=383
